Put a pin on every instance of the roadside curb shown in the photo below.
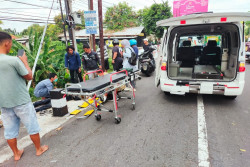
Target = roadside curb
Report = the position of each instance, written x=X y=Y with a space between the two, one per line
x=47 y=124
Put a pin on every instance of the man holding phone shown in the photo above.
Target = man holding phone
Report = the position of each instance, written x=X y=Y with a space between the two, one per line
x=15 y=102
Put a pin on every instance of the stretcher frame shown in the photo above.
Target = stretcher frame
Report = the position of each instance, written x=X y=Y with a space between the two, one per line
x=112 y=87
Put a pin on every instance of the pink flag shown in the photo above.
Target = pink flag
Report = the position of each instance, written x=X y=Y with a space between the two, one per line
x=184 y=7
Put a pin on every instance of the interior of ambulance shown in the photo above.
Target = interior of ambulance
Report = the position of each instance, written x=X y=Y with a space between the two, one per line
x=204 y=52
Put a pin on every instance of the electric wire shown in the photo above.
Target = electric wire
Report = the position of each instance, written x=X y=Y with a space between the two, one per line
x=21 y=18
x=29 y=21
x=24 y=3
x=19 y=14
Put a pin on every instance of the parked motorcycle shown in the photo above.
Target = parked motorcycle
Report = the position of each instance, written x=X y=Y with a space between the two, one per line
x=147 y=62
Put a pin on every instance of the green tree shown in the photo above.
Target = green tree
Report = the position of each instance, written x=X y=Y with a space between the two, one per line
x=120 y=16
x=0 y=24
x=53 y=31
x=247 y=29
x=59 y=21
x=149 y=17
x=11 y=31
x=51 y=58
x=35 y=27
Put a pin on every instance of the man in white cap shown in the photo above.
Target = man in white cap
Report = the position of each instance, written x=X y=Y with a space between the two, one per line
x=146 y=45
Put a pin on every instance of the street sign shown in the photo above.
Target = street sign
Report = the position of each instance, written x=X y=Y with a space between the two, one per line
x=90 y=22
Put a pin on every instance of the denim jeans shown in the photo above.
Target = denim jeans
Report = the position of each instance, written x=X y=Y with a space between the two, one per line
x=13 y=116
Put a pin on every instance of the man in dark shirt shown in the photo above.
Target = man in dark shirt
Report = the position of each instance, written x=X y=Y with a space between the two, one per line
x=116 y=56
x=146 y=45
x=90 y=61
x=73 y=63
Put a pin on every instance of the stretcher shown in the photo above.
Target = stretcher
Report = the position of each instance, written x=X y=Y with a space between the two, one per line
x=99 y=86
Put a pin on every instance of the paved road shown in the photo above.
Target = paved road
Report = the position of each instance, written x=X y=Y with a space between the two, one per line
x=162 y=131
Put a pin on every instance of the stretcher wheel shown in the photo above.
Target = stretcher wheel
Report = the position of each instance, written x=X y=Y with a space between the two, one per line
x=98 y=117
x=133 y=107
x=118 y=120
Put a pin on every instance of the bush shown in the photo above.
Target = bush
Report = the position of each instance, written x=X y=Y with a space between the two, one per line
x=32 y=96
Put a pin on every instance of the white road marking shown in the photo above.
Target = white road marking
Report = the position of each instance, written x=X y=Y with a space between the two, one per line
x=203 y=155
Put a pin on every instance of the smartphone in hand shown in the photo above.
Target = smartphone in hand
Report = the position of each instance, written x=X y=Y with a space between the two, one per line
x=20 y=52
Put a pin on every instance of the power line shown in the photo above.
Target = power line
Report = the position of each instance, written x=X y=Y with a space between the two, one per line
x=17 y=8
x=22 y=14
x=29 y=21
x=29 y=4
x=21 y=18
x=46 y=1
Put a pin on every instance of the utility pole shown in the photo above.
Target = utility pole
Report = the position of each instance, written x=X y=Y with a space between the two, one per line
x=72 y=39
x=64 y=31
x=92 y=36
x=101 y=32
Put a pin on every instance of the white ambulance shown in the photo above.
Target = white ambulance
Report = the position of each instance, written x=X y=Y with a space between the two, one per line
x=203 y=53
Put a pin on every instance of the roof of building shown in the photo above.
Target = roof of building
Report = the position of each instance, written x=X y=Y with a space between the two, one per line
x=13 y=37
x=126 y=33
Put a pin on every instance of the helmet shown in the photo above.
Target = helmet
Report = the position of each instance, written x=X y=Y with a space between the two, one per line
x=132 y=42
x=115 y=41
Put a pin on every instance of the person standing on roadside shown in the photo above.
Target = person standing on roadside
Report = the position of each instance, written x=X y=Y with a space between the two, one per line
x=90 y=61
x=127 y=53
x=106 y=56
x=15 y=102
x=73 y=64
x=133 y=44
x=116 y=56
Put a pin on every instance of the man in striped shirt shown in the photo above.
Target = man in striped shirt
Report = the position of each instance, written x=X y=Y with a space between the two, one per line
x=106 y=56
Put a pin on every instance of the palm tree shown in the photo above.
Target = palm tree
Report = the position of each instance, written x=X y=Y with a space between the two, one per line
x=50 y=60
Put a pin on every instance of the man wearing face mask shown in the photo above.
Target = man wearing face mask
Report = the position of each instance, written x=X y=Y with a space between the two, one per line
x=42 y=89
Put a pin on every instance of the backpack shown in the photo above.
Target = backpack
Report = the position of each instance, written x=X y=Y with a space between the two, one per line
x=133 y=58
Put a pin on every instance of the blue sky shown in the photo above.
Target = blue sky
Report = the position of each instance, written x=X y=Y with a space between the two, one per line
x=41 y=14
